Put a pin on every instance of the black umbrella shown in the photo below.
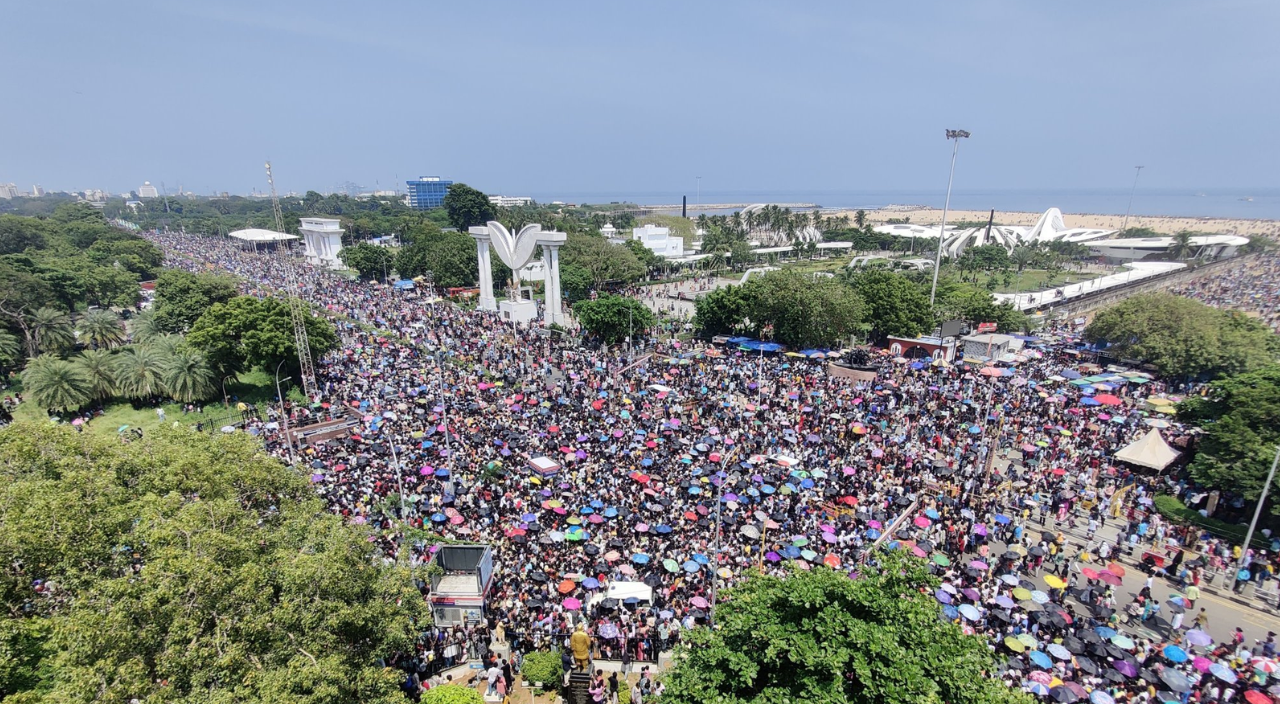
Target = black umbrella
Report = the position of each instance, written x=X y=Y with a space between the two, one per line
x=538 y=576
x=1002 y=616
x=591 y=550
x=653 y=581
x=601 y=569
x=1073 y=645
x=1036 y=551
x=1119 y=654
x=925 y=546
x=609 y=603
x=534 y=603
x=1010 y=555
x=1087 y=665
x=1064 y=695
x=1089 y=636
x=1048 y=536
x=1027 y=584
x=617 y=543
x=1113 y=675
x=904 y=501
x=1098 y=649
x=1175 y=680
x=1168 y=698
x=1148 y=675
x=1016 y=663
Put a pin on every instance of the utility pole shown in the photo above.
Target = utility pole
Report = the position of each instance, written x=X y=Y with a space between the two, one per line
x=1262 y=499
x=942 y=232
x=1136 y=173
x=296 y=307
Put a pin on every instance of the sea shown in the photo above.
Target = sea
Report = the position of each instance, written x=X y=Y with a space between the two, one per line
x=1260 y=204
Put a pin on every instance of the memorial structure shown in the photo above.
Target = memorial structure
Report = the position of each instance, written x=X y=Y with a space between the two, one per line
x=516 y=252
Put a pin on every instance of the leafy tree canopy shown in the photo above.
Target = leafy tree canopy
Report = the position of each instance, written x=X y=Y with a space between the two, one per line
x=894 y=305
x=467 y=207
x=371 y=261
x=818 y=637
x=1241 y=417
x=247 y=332
x=612 y=318
x=182 y=297
x=186 y=567
x=1184 y=337
x=607 y=263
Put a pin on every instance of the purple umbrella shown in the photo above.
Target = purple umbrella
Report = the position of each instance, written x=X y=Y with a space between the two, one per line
x=977 y=565
x=828 y=537
x=942 y=596
x=980 y=529
x=1125 y=668
x=772 y=556
x=1199 y=638
x=971 y=594
x=1005 y=602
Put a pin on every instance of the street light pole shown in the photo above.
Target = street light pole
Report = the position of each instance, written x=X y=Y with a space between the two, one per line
x=1136 y=173
x=284 y=413
x=1248 y=537
x=942 y=232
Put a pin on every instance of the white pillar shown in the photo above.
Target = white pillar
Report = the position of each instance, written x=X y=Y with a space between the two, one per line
x=481 y=235
x=551 y=243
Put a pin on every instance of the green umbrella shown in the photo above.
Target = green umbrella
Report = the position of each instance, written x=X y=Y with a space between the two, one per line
x=800 y=542
x=941 y=561
x=670 y=565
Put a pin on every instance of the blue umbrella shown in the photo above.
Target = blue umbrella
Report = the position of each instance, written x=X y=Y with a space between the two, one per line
x=1223 y=673
x=767 y=489
x=640 y=559
x=663 y=529
x=790 y=551
x=974 y=429
x=585 y=510
x=596 y=504
x=691 y=566
x=701 y=559
x=873 y=534
x=970 y=612
x=442 y=472
x=695 y=490
x=1002 y=519
x=950 y=611
x=646 y=462
x=1036 y=688
x=943 y=596
x=931 y=514
x=1040 y=659
x=528 y=517
x=611 y=512
x=1042 y=597
x=591 y=583
x=1175 y=653
x=1105 y=632
x=1097 y=697
x=438 y=517
x=806 y=483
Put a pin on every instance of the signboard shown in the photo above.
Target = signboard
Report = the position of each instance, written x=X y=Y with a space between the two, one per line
x=987 y=327
x=952 y=328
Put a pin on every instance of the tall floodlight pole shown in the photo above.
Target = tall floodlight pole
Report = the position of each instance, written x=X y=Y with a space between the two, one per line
x=942 y=232
x=1248 y=537
x=1137 y=170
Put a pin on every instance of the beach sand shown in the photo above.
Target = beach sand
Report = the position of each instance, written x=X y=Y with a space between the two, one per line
x=1163 y=225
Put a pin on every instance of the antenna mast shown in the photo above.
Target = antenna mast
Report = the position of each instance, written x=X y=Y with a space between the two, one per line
x=297 y=308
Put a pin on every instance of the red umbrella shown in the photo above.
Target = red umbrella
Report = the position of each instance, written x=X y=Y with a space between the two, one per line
x=1115 y=569
x=1109 y=579
x=1256 y=698
x=690 y=515
x=849 y=500
x=565 y=587
x=1106 y=399
x=553 y=429
x=1089 y=573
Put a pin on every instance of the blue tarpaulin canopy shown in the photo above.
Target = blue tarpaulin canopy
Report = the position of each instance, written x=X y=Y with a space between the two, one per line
x=404 y=285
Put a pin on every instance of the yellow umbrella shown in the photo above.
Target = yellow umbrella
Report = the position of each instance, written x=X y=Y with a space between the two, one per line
x=1054 y=582
x=1022 y=593
x=725 y=573
x=1020 y=549
x=534 y=481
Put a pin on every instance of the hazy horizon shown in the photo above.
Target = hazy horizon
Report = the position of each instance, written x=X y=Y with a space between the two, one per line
x=569 y=98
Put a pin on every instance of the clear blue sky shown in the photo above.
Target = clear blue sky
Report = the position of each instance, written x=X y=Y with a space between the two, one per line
x=548 y=97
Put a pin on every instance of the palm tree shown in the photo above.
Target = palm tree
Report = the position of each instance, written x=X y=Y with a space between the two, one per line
x=144 y=327
x=1181 y=246
x=188 y=377
x=52 y=329
x=98 y=367
x=102 y=329
x=167 y=344
x=139 y=371
x=55 y=384
x=1022 y=256
x=10 y=348
x=860 y=219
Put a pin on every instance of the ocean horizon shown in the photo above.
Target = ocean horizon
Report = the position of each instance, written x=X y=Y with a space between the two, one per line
x=1262 y=203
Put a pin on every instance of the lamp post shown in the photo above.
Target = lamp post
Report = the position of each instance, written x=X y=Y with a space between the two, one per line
x=942 y=232
x=1137 y=171
x=1248 y=537
x=284 y=413
x=225 y=402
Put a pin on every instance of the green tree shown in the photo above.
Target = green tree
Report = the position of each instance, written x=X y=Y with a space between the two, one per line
x=860 y=219
x=99 y=368
x=805 y=312
x=52 y=330
x=575 y=282
x=101 y=329
x=818 y=637
x=145 y=326
x=894 y=305
x=18 y=234
x=449 y=258
x=188 y=377
x=55 y=384
x=613 y=318
x=607 y=263
x=247 y=332
x=10 y=348
x=186 y=567
x=1181 y=248
x=543 y=667
x=1241 y=418
x=139 y=371
x=182 y=297
x=974 y=305
x=1184 y=337
x=1138 y=232
x=373 y=262
x=722 y=311
x=1022 y=256
x=467 y=207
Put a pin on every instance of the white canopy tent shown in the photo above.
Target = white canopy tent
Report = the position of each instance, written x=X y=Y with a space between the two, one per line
x=260 y=235
x=1149 y=451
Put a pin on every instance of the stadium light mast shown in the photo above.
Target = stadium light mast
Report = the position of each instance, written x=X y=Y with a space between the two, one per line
x=1137 y=171
x=942 y=232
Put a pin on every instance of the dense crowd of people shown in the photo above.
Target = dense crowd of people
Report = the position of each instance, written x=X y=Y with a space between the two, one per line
x=956 y=462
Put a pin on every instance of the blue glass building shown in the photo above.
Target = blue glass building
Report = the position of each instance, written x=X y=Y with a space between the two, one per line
x=427 y=192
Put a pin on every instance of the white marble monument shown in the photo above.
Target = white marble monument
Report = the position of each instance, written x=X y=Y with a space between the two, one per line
x=516 y=252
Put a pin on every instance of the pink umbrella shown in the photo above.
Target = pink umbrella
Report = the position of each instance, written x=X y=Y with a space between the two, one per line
x=456 y=520
x=1202 y=664
x=875 y=524
x=847 y=470
x=698 y=602
x=559 y=511
x=921 y=522
x=595 y=519
x=626 y=570
x=915 y=550
x=426 y=470
x=826 y=528
x=612 y=555
x=572 y=604
x=977 y=565
x=642 y=527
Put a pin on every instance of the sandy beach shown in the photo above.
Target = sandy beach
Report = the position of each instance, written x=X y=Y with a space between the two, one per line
x=1164 y=225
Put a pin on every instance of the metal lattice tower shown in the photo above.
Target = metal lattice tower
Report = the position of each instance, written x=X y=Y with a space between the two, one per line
x=297 y=306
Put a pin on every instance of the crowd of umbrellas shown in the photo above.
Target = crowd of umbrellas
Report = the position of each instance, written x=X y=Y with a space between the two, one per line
x=942 y=460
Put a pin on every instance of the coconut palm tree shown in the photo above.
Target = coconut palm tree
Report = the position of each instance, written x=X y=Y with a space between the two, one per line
x=52 y=330
x=1181 y=246
x=1022 y=256
x=143 y=327
x=55 y=384
x=139 y=371
x=167 y=344
x=101 y=329
x=188 y=377
x=98 y=367
x=10 y=348
x=860 y=218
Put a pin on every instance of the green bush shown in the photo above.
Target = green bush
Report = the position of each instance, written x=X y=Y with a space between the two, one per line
x=624 y=691
x=1172 y=509
x=452 y=695
x=543 y=667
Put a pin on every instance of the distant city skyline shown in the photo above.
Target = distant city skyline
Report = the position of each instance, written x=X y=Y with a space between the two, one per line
x=554 y=99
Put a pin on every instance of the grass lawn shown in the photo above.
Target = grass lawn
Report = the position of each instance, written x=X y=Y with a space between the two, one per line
x=251 y=387
x=1031 y=280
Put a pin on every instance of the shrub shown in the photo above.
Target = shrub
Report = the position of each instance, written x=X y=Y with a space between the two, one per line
x=543 y=667
x=452 y=695
x=1172 y=509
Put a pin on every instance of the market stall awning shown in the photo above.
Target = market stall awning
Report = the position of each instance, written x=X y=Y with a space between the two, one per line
x=1149 y=451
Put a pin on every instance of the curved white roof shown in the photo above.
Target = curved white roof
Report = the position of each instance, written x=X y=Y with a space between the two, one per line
x=260 y=235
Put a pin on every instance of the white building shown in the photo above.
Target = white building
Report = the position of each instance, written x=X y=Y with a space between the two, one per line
x=322 y=239
x=609 y=231
x=507 y=201
x=8 y=191
x=1049 y=228
x=148 y=191
x=1205 y=247
x=658 y=239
